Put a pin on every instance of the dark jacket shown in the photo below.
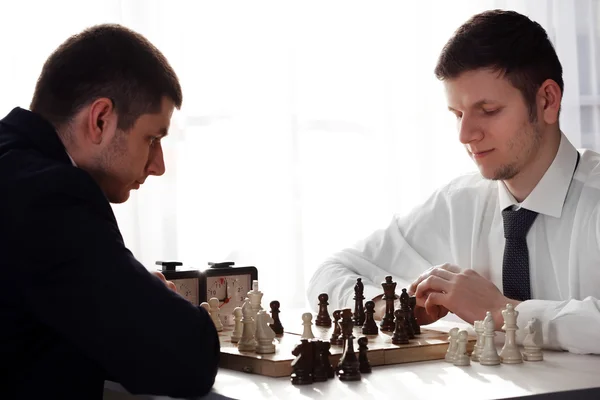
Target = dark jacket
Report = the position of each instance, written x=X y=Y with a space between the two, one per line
x=76 y=307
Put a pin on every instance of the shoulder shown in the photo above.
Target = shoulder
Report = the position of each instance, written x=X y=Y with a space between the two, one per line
x=27 y=177
x=467 y=189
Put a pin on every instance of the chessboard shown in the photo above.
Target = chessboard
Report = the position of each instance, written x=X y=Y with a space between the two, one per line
x=429 y=345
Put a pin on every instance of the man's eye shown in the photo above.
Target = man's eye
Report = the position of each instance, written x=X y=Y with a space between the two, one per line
x=491 y=112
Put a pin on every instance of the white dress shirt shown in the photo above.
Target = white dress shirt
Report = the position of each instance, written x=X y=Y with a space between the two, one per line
x=462 y=224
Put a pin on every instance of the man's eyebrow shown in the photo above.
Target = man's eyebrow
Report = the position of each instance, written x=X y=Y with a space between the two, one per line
x=478 y=104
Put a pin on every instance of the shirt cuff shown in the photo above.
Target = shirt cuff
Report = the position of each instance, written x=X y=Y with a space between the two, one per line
x=544 y=311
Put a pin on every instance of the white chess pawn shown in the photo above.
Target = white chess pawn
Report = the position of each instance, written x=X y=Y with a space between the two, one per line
x=215 y=315
x=237 y=330
x=307 y=322
x=489 y=355
x=247 y=341
x=264 y=333
x=452 y=344
x=533 y=341
x=510 y=353
x=478 y=326
x=461 y=357
x=205 y=306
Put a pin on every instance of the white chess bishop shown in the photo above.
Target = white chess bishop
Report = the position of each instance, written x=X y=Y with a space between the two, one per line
x=489 y=355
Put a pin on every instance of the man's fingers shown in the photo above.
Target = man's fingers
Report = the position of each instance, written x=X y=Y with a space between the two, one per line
x=443 y=273
x=159 y=274
x=434 y=305
x=450 y=267
x=432 y=284
x=446 y=271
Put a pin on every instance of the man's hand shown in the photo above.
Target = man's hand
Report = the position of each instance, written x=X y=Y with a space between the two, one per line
x=423 y=318
x=169 y=284
x=463 y=292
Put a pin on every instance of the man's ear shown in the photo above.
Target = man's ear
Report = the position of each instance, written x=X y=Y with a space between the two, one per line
x=101 y=116
x=549 y=97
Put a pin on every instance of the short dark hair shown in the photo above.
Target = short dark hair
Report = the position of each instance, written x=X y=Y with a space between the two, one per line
x=505 y=41
x=110 y=61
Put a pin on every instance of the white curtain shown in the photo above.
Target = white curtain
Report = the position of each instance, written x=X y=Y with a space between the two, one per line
x=305 y=124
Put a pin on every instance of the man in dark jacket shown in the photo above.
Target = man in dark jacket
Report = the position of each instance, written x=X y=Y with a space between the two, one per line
x=76 y=307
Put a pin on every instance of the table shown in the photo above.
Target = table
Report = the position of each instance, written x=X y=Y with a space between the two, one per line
x=560 y=371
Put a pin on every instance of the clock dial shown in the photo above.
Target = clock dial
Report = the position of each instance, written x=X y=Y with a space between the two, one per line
x=188 y=288
x=231 y=291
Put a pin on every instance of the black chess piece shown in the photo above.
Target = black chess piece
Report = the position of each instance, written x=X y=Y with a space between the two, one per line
x=335 y=336
x=319 y=372
x=363 y=361
x=348 y=367
x=325 y=355
x=302 y=365
x=405 y=306
x=400 y=336
x=370 y=326
x=323 y=318
x=413 y=319
x=389 y=295
x=359 y=312
x=276 y=325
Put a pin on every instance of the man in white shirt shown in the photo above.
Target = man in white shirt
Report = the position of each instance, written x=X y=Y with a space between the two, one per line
x=503 y=82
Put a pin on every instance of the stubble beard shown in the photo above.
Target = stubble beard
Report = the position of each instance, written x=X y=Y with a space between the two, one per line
x=509 y=171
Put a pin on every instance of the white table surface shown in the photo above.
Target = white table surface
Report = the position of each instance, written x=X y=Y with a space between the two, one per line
x=559 y=371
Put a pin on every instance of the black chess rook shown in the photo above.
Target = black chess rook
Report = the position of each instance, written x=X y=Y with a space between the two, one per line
x=413 y=319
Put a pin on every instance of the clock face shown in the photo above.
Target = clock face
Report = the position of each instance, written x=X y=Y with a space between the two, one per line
x=231 y=291
x=188 y=288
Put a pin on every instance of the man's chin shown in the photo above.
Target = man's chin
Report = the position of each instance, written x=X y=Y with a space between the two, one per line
x=118 y=198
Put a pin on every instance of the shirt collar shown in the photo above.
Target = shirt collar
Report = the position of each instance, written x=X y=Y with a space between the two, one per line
x=71 y=158
x=550 y=193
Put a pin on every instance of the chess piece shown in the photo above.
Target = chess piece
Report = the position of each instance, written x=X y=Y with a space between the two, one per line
x=389 y=295
x=370 y=326
x=348 y=367
x=405 y=306
x=359 y=312
x=510 y=353
x=276 y=325
x=452 y=345
x=320 y=373
x=489 y=355
x=478 y=326
x=324 y=353
x=237 y=329
x=400 y=336
x=363 y=362
x=205 y=306
x=307 y=322
x=461 y=358
x=264 y=333
x=335 y=336
x=302 y=365
x=323 y=318
x=415 y=324
x=532 y=344
x=255 y=297
x=247 y=342
x=214 y=313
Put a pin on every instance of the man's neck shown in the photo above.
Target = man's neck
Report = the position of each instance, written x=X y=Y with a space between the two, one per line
x=526 y=180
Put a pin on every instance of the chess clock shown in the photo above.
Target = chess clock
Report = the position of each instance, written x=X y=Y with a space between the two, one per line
x=222 y=280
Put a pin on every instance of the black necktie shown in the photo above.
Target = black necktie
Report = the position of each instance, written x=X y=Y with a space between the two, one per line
x=515 y=265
